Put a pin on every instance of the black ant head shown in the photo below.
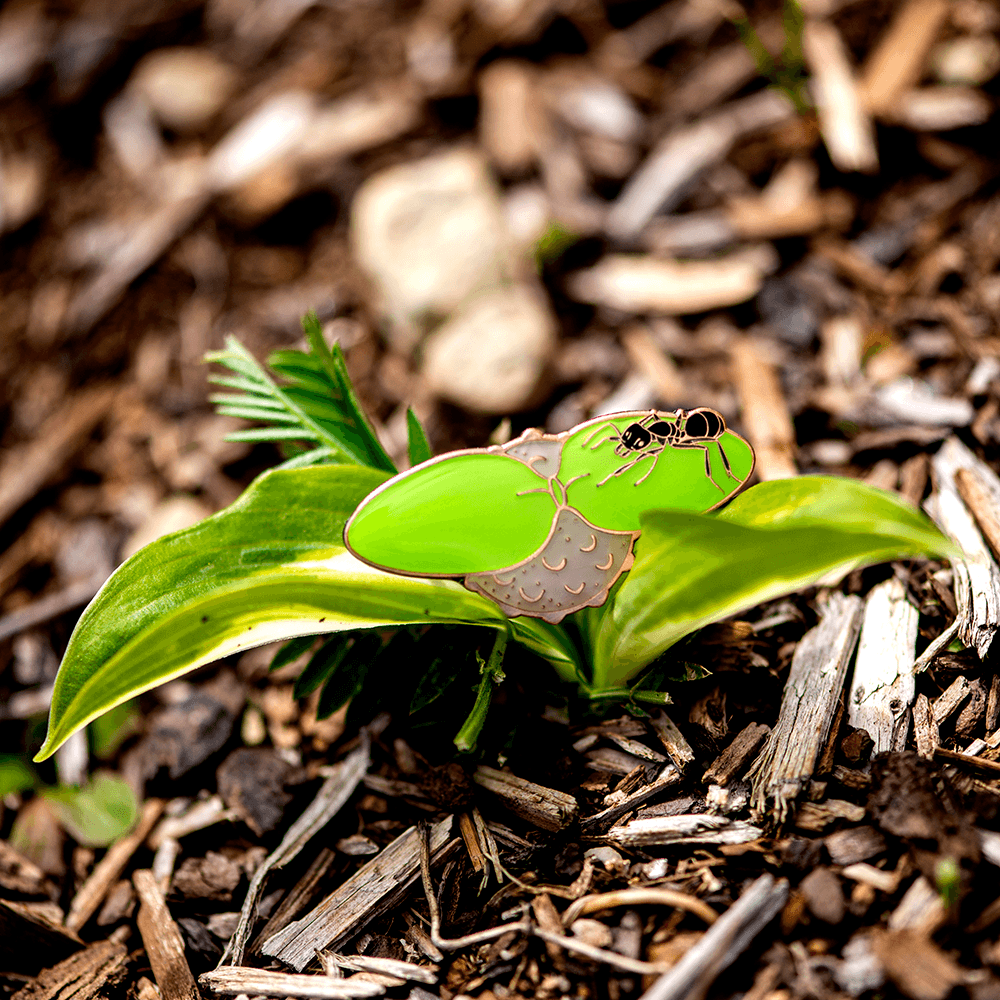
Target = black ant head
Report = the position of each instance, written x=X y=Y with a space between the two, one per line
x=635 y=437
x=704 y=424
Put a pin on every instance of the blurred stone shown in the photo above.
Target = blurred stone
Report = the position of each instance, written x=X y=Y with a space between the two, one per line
x=184 y=87
x=490 y=356
x=430 y=233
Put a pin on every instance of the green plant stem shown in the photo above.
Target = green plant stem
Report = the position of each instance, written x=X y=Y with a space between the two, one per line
x=491 y=673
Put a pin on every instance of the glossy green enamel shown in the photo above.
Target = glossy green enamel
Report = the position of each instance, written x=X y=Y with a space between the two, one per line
x=676 y=482
x=466 y=513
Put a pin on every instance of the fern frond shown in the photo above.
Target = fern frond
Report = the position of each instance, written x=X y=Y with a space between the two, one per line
x=315 y=405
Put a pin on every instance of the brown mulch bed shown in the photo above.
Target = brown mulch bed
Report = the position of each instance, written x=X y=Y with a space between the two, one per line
x=819 y=263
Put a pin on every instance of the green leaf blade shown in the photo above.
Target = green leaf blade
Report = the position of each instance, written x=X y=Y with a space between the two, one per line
x=776 y=538
x=270 y=567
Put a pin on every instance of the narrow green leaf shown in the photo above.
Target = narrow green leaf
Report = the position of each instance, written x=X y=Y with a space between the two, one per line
x=271 y=566
x=776 y=538
x=418 y=447
x=312 y=457
x=291 y=651
x=321 y=666
x=271 y=434
x=98 y=813
x=252 y=412
x=349 y=673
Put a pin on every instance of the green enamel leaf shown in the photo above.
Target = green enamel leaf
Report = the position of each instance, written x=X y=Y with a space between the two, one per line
x=614 y=489
x=270 y=567
x=462 y=513
x=780 y=536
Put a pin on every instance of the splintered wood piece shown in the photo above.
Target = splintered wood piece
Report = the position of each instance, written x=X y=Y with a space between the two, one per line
x=856 y=844
x=921 y=909
x=883 y=687
x=694 y=828
x=993 y=704
x=382 y=966
x=917 y=966
x=330 y=799
x=730 y=763
x=723 y=942
x=649 y=358
x=372 y=890
x=669 y=776
x=27 y=468
x=925 y=728
x=816 y=816
x=20 y=875
x=981 y=501
x=677 y=747
x=300 y=894
x=897 y=61
x=765 y=411
x=91 y=973
x=544 y=807
x=946 y=703
x=238 y=980
x=977 y=576
x=162 y=941
x=843 y=119
x=808 y=705
x=637 y=749
x=109 y=869
x=684 y=153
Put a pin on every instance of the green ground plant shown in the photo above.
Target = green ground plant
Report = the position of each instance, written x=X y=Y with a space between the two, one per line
x=273 y=567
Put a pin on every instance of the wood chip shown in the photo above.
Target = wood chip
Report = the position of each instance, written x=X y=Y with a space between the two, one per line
x=918 y=967
x=812 y=694
x=925 y=728
x=162 y=941
x=110 y=868
x=731 y=762
x=238 y=980
x=329 y=800
x=697 y=828
x=93 y=973
x=765 y=411
x=921 y=909
x=816 y=816
x=31 y=935
x=668 y=777
x=723 y=943
x=684 y=153
x=544 y=807
x=883 y=687
x=386 y=966
x=897 y=61
x=843 y=118
x=649 y=358
x=371 y=891
x=859 y=843
x=640 y=284
x=677 y=747
x=27 y=468
x=946 y=703
x=977 y=577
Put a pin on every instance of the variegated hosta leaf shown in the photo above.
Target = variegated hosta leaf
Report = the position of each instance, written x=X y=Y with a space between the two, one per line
x=271 y=566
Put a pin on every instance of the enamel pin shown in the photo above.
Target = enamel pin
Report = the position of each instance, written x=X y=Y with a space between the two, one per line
x=544 y=525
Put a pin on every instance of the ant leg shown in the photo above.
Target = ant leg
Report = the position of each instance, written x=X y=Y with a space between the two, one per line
x=656 y=453
x=625 y=468
x=590 y=437
x=708 y=465
x=725 y=462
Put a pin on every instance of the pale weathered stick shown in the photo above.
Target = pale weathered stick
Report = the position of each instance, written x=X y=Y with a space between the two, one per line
x=843 y=118
x=808 y=706
x=330 y=799
x=884 y=687
x=694 y=828
x=237 y=980
x=723 y=943
x=109 y=869
x=162 y=941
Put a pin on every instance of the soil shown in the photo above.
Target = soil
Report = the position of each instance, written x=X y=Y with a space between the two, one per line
x=821 y=267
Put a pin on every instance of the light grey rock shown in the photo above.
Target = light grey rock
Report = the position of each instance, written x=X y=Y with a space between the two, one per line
x=431 y=233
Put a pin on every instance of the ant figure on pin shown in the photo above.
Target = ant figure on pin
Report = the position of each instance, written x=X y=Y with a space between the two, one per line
x=651 y=435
